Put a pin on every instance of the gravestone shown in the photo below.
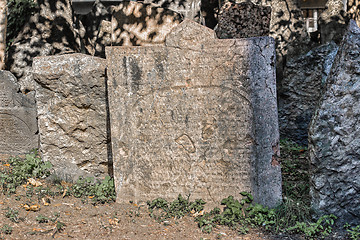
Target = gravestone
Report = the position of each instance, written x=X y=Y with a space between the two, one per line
x=334 y=137
x=17 y=118
x=243 y=20
x=196 y=116
x=302 y=88
x=72 y=114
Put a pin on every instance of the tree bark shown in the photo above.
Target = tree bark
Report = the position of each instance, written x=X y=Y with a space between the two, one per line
x=3 y=25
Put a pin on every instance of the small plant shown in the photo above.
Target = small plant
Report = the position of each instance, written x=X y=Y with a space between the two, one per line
x=100 y=191
x=161 y=210
x=42 y=219
x=321 y=228
x=353 y=232
x=6 y=229
x=20 y=170
x=12 y=214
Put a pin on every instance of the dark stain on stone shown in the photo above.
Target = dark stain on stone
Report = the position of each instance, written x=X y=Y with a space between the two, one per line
x=135 y=75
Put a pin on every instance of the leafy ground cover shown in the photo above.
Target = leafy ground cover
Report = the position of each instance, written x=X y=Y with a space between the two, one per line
x=36 y=206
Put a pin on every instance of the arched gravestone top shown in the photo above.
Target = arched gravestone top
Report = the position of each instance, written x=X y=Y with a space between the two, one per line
x=17 y=118
x=196 y=116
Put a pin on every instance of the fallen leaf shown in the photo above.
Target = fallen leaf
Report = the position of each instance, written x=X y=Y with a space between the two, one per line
x=33 y=208
x=34 y=182
x=46 y=202
x=7 y=165
x=64 y=193
x=91 y=197
x=114 y=221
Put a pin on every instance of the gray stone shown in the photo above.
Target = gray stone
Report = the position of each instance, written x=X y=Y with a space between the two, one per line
x=52 y=30
x=334 y=136
x=303 y=85
x=17 y=118
x=71 y=103
x=196 y=116
x=243 y=20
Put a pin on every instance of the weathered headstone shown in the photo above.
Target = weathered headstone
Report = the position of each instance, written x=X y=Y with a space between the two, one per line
x=303 y=85
x=243 y=20
x=17 y=118
x=195 y=116
x=334 y=136
x=72 y=114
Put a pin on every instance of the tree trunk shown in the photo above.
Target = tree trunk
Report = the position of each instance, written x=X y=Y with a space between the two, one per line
x=3 y=25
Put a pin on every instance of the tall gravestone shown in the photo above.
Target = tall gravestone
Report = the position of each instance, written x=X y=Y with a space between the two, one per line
x=334 y=136
x=196 y=116
x=72 y=114
x=17 y=118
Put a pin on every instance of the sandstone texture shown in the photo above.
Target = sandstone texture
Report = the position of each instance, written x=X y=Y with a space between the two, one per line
x=196 y=116
x=303 y=84
x=72 y=114
x=334 y=136
x=243 y=20
x=17 y=118
x=51 y=31
x=135 y=24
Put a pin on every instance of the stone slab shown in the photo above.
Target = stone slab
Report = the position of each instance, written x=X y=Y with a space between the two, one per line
x=196 y=116
x=17 y=118
x=334 y=137
x=72 y=114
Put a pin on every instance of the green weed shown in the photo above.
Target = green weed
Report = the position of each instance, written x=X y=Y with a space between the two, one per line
x=22 y=169
x=6 y=229
x=12 y=214
x=353 y=232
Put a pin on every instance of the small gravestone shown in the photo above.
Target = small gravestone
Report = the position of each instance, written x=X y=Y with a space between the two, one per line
x=72 y=115
x=334 y=136
x=17 y=118
x=196 y=116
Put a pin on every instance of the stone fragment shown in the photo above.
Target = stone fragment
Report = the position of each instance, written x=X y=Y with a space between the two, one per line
x=52 y=30
x=334 y=136
x=72 y=114
x=135 y=23
x=243 y=20
x=17 y=118
x=303 y=85
x=196 y=116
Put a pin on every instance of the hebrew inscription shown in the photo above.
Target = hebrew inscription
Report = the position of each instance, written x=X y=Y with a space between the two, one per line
x=17 y=118
x=186 y=117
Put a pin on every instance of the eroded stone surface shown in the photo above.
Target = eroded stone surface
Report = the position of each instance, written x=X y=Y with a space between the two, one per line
x=303 y=85
x=197 y=116
x=17 y=118
x=334 y=137
x=71 y=105
x=243 y=20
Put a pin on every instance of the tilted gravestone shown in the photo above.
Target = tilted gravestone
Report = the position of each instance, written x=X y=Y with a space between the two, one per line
x=72 y=114
x=334 y=136
x=195 y=116
x=17 y=118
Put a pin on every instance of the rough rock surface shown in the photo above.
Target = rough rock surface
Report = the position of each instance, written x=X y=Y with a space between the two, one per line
x=332 y=22
x=17 y=118
x=135 y=24
x=72 y=114
x=52 y=30
x=196 y=116
x=334 y=136
x=243 y=20
x=303 y=85
x=189 y=9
